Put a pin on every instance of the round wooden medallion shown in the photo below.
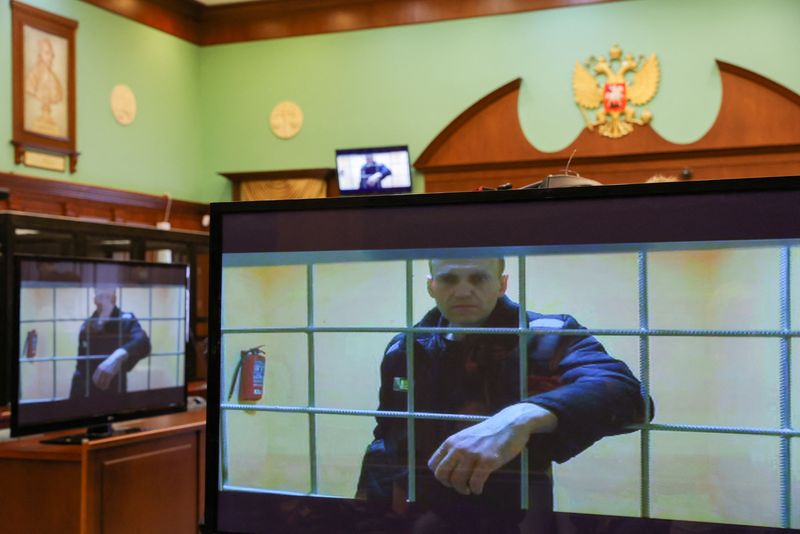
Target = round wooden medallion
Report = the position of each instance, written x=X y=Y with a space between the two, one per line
x=286 y=119
x=123 y=104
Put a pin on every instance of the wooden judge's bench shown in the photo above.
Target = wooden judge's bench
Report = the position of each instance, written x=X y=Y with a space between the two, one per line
x=148 y=481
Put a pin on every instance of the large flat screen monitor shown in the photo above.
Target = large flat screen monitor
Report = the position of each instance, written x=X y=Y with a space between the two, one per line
x=96 y=342
x=364 y=171
x=367 y=353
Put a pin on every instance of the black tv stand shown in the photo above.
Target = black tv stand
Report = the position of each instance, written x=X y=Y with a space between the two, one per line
x=93 y=432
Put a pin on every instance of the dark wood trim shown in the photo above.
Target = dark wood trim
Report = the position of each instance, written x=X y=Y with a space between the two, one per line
x=24 y=15
x=55 y=197
x=238 y=177
x=766 y=83
x=272 y=19
x=756 y=133
x=464 y=118
x=324 y=173
x=275 y=19
x=577 y=162
x=180 y=18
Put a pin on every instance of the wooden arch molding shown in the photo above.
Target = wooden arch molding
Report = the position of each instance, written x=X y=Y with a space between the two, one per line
x=756 y=134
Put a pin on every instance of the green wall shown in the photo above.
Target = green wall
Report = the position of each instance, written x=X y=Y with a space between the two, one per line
x=205 y=110
x=403 y=85
x=160 y=151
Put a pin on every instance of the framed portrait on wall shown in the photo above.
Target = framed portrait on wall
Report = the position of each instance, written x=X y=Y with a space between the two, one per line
x=43 y=67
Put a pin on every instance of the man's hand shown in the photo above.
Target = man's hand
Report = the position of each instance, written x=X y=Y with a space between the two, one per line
x=374 y=178
x=466 y=459
x=109 y=368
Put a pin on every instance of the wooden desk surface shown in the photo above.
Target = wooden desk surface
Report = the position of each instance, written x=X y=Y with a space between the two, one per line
x=163 y=425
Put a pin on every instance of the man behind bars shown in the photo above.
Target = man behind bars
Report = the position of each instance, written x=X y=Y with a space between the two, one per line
x=116 y=341
x=467 y=474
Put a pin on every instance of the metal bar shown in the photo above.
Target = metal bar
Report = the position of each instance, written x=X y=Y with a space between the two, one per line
x=410 y=416
x=35 y=400
x=312 y=400
x=88 y=338
x=150 y=313
x=88 y=357
x=178 y=339
x=344 y=411
x=644 y=380
x=224 y=457
x=784 y=390
x=108 y=320
x=519 y=331
x=524 y=460
x=53 y=348
x=248 y=489
x=744 y=431
x=477 y=418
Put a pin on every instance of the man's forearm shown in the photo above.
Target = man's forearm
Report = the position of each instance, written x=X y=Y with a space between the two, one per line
x=533 y=418
x=466 y=459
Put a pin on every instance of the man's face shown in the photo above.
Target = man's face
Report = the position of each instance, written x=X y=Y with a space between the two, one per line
x=105 y=299
x=466 y=290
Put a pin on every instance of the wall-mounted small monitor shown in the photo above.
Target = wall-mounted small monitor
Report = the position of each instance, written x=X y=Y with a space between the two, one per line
x=365 y=171
x=95 y=342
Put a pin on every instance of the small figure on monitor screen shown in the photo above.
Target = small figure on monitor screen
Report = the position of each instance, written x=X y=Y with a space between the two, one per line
x=113 y=342
x=372 y=174
x=467 y=474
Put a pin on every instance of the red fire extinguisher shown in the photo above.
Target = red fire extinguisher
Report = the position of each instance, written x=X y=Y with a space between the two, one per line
x=250 y=373
x=29 y=347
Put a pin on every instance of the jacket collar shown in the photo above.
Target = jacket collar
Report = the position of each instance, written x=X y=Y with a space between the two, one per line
x=504 y=314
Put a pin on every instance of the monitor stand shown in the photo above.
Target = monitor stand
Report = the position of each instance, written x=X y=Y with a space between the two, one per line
x=93 y=432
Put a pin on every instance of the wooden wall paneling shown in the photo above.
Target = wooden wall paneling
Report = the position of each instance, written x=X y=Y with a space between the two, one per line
x=54 y=197
x=755 y=111
x=29 y=505
x=270 y=19
x=138 y=490
x=149 y=481
x=756 y=133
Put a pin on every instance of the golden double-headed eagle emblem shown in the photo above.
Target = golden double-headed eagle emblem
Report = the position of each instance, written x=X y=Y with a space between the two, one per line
x=635 y=81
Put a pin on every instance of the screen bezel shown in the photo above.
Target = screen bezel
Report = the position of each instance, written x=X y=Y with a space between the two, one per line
x=374 y=150
x=16 y=429
x=631 y=213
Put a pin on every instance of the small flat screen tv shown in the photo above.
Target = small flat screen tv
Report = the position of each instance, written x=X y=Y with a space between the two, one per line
x=96 y=342
x=380 y=170
x=334 y=374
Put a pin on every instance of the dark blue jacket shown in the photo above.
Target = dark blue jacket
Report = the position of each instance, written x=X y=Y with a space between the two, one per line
x=368 y=169
x=593 y=395
x=121 y=329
